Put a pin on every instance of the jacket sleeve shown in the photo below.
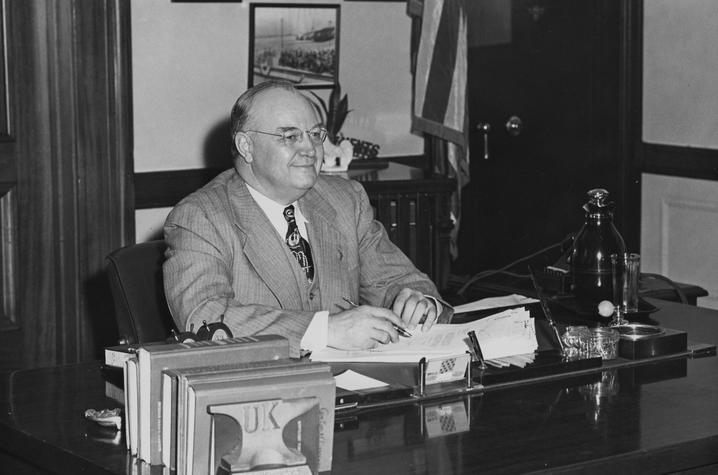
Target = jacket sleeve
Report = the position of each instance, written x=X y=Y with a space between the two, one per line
x=198 y=280
x=385 y=269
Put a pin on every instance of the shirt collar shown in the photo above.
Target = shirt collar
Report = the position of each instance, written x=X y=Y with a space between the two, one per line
x=272 y=208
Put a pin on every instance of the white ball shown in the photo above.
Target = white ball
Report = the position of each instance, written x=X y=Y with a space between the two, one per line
x=605 y=308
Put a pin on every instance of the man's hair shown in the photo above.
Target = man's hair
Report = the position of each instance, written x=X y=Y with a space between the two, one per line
x=241 y=110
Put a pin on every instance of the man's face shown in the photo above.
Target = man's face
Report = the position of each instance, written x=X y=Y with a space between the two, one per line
x=283 y=172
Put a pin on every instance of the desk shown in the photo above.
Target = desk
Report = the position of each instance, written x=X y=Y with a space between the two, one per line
x=658 y=417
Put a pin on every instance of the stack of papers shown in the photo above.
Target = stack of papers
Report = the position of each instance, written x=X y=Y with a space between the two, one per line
x=507 y=333
x=494 y=302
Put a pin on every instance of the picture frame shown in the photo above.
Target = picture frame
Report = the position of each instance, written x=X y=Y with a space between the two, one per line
x=298 y=42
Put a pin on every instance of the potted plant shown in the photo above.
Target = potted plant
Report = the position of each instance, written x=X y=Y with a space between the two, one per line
x=338 y=151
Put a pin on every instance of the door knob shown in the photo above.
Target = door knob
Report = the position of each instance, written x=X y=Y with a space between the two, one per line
x=514 y=125
x=484 y=128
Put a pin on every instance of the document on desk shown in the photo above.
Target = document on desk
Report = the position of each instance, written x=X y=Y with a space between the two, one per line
x=494 y=302
x=507 y=333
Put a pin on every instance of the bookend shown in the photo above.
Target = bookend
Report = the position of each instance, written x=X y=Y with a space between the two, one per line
x=277 y=434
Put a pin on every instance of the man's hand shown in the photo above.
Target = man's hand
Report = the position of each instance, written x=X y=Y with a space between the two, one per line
x=413 y=308
x=362 y=328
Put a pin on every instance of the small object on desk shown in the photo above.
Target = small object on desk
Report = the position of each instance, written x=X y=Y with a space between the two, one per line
x=105 y=417
x=489 y=303
x=354 y=381
x=422 y=377
x=639 y=341
x=605 y=308
x=638 y=331
x=546 y=310
x=400 y=330
x=446 y=369
x=575 y=341
x=603 y=342
x=477 y=349
x=469 y=376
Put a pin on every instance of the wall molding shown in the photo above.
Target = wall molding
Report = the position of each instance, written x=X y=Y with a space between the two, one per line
x=687 y=162
x=671 y=204
x=162 y=189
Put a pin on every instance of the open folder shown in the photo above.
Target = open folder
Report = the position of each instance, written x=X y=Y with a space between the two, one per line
x=507 y=333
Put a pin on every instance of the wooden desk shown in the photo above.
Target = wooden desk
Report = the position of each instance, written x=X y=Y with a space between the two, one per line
x=658 y=417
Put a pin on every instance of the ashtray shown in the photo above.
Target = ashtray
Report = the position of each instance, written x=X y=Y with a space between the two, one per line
x=638 y=341
x=638 y=331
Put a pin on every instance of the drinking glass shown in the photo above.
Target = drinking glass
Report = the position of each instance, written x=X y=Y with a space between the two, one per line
x=625 y=268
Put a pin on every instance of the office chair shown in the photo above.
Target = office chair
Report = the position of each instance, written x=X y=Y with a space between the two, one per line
x=135 y=274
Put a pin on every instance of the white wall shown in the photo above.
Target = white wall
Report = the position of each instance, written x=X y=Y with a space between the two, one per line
x=679 y=220
x=189 y=64
x=680 y=67
x=679 y=216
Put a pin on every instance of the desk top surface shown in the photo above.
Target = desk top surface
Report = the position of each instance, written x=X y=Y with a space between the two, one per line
x=649 y=418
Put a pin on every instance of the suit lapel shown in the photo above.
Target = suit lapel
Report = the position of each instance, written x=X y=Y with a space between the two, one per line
x=262 y=246
x=326 y=243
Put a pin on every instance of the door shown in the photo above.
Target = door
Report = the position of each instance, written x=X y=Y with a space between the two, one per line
x=544 y=75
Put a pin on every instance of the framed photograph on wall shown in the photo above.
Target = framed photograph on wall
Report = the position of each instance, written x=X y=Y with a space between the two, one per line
x=294 y=41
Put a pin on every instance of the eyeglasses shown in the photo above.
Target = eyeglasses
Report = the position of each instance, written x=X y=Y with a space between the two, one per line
x=292 y=136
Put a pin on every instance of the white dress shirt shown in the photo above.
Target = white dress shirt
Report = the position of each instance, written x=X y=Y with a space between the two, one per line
x=315 y=338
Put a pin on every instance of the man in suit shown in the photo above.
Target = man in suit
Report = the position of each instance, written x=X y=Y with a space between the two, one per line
x=273 y=247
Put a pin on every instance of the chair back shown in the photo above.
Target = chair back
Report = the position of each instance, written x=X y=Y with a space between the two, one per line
x=135 y=274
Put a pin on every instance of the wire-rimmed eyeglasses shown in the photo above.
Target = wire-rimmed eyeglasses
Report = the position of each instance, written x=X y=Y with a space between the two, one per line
x=293 y=135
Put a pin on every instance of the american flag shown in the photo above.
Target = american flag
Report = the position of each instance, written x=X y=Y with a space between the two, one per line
x=440 y=79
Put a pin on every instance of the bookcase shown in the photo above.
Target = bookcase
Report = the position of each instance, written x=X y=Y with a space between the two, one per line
x=414 y=207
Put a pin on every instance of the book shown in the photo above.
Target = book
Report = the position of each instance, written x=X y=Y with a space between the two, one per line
x=116 y=355
x=173 y=396
x=131 y=404
x=266 y=405
x=152 y=359
x=226 y=376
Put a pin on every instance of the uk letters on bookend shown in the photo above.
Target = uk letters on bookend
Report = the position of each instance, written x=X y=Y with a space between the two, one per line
x=256 y=423
x=153 y=359
x=174 y=390
x=274 y=432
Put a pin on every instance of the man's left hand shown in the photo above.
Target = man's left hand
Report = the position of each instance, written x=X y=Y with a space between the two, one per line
x=414 y=308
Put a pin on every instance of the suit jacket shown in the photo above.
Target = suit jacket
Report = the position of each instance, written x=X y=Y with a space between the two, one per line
x=224 y=258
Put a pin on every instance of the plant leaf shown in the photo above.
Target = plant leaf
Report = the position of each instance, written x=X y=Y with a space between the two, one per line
x=321 y=107
x=334 y=96
x=341 y=112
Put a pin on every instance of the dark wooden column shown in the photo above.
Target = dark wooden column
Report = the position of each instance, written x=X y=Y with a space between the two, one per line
x=68 y=162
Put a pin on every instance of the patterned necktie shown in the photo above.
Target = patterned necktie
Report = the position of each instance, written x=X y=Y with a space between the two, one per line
x=297 y=244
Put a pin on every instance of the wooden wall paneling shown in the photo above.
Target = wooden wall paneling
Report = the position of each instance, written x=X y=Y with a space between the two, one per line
x=11 y=336
x=104 y=158
x=630 y=91
x=5 y=133
x=42 y=194
x=8 y=258
x=71 y=115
